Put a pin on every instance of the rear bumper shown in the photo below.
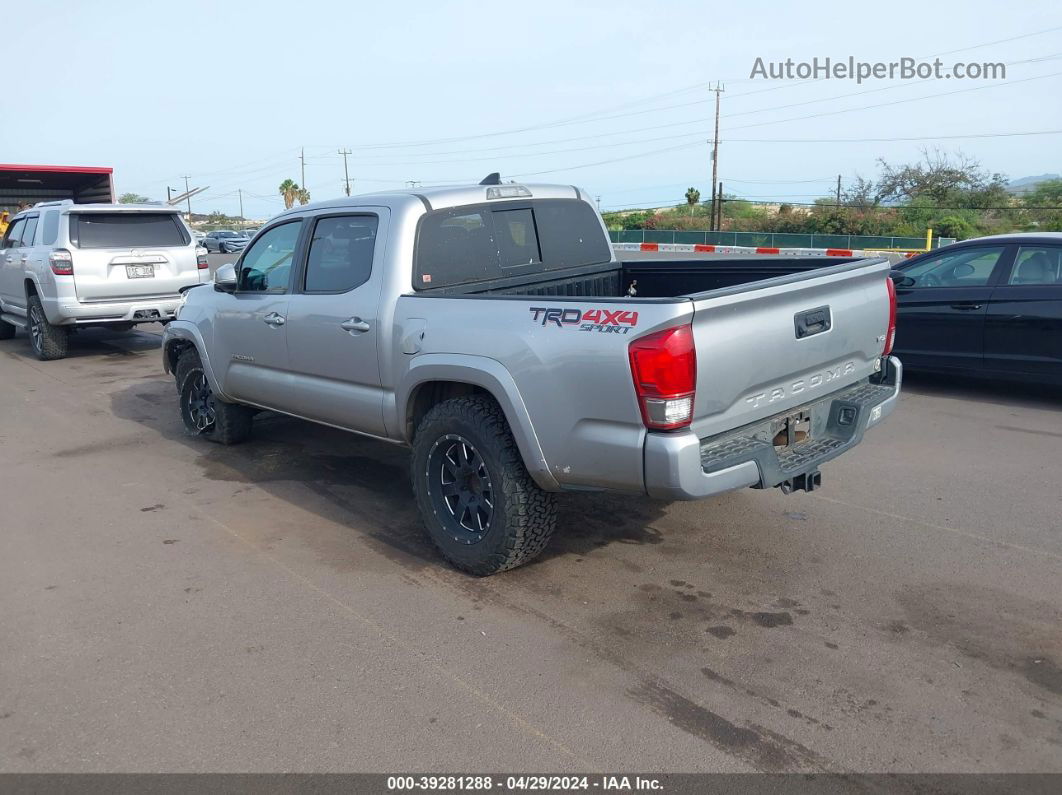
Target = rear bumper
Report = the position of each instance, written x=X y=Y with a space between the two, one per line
x=683 y=467
x=69 y=311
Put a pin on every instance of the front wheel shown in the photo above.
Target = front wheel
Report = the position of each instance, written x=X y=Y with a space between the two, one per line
x=49 y=342
x=480 y=506
x=203 y=413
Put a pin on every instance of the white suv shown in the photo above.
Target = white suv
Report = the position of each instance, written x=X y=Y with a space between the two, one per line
x=64 y=264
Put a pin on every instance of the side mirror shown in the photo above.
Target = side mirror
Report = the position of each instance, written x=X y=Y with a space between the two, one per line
x=963 y=270
x=901 y=279
x=225 y=278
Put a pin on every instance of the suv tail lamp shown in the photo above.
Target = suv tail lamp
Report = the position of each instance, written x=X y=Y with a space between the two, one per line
x=664 y=367
x=890 y=335
x=201 y=259
x=61 y=263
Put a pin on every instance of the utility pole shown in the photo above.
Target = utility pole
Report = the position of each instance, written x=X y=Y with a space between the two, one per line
x=711 y=215
x=599 y=204
x=302 y=159
x=240 y=192
x=188 y=199
x=346 y=174
x=838 y=190
x=719 y=193
x=715 y=151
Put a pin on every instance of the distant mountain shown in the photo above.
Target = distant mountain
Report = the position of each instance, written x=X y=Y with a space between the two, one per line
x=1026 y=184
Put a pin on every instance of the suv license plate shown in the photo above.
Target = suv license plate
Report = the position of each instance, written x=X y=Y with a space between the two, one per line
x=140 y=271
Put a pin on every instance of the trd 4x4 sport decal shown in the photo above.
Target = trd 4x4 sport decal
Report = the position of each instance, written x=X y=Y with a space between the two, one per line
x=608 y=321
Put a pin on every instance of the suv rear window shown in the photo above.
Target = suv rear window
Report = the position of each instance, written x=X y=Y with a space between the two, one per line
x=126 y=230
x=476 y=243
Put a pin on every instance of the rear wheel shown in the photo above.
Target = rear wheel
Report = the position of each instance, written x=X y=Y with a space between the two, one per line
x=49 y=342
x=480 y=506
x=205 y=414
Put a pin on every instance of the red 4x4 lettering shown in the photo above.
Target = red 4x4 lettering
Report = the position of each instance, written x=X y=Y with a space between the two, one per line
x=608 y=317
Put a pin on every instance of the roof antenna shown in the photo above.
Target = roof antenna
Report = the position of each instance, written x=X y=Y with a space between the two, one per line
x=494 y=178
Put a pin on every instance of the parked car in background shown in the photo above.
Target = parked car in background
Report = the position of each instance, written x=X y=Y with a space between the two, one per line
x=491 y=328
x=224 y=241
x=990 y=306
x=65 y=265
x=198 y=234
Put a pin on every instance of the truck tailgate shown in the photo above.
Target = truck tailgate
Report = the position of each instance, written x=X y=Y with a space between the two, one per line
x=775 y=345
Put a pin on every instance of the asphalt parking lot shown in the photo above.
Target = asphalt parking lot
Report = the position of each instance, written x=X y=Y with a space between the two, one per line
x=169 y=604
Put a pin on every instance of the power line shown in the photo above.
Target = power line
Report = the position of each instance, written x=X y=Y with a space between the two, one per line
x=780 y=121
x=899 y=101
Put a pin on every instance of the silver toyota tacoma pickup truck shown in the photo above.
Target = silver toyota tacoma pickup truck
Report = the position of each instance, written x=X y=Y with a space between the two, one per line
x=492 y=330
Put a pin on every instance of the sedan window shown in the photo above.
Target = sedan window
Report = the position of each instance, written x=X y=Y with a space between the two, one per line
x=1037 y=265
x=971 y=267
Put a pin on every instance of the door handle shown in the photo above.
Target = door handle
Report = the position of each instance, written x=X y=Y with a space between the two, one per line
x=967 y=305
x=355 y=324
x=274 y=319
x=24 y=258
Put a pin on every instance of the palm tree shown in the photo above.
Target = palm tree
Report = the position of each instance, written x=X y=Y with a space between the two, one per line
x=303 y=196
x=692 y=197
x=290 y=191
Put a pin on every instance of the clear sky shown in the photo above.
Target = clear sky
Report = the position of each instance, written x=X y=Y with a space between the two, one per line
x=611 y=96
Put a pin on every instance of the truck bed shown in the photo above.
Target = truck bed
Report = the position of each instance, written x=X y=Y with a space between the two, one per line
x=664 y=278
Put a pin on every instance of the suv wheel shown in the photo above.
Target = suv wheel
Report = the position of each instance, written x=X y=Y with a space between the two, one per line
x=203 y=413
x=223 y=249
x=480 y=506
x=49 y=342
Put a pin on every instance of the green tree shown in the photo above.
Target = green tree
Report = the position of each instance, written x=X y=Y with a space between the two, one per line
x=132 y=198
x=1046 y=194
x=290 y=190
x=692 y=197
x=303 y=196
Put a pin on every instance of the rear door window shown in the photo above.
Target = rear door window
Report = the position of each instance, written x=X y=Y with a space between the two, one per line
x=465 y=245
x=1037 y=265
x=126 y=230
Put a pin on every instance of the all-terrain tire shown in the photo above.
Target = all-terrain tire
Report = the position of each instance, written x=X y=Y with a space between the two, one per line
x=49 y=342
x=523 y=517
x=204 y=414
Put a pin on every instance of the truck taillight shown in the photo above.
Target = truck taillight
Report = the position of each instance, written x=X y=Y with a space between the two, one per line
x=890 y=335
x=664 y=367
x=61 y=263
x=201 y=259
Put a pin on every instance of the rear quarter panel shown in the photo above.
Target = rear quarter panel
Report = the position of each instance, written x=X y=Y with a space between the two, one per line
x=572 y=376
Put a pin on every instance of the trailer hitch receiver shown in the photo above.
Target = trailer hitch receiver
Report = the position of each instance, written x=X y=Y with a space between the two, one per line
x=809 y=481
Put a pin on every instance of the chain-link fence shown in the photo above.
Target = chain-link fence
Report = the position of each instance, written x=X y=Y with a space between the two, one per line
x=774 y=239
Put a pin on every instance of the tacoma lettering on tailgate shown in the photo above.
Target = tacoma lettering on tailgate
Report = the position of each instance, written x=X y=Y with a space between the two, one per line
x=804 y=384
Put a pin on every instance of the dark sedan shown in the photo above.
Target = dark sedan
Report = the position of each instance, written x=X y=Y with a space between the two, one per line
x=224 y=241
x=988 y=306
